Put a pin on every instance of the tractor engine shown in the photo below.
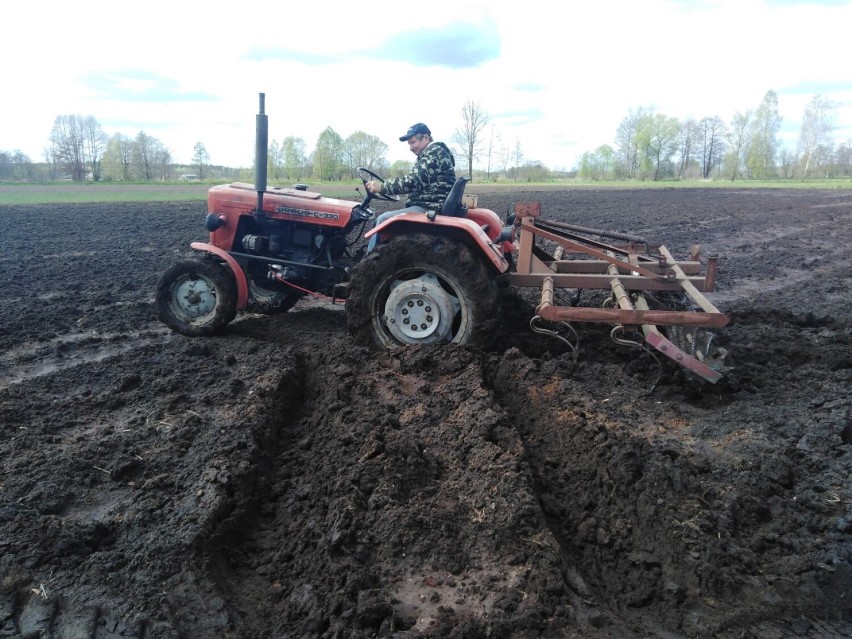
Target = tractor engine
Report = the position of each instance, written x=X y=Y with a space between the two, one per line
x=276 y=251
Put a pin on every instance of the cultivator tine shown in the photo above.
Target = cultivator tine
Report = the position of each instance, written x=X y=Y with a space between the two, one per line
x=536 y=327
x=536 y=323
x=613 y=334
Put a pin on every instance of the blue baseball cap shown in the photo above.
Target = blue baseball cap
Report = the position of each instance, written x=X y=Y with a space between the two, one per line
x=416 y=129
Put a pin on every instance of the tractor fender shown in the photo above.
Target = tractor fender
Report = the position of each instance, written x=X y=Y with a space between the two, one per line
x=396 y=225
x=236 y=270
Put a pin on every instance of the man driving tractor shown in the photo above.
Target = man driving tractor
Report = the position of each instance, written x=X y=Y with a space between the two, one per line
x=427 y=184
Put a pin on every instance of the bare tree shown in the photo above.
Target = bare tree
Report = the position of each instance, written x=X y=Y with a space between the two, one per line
x=126 y=147
x=628 y=140
x=77 y=146
x=844 y=158
x=50 y=161
x=518 y=157
x=162 y=159
x=493 y=139
x=468 y=137
x=275 y=161
x=818 y=126
x=535 y=171
x=738 y=135
x=67 y=141
x=24 y=164
x=787 y=163
x=94 y=140
x=5 y=166
x=505 y=158
x=200 y=158
x=712 y=132
x=143 y=155
x=687 y=141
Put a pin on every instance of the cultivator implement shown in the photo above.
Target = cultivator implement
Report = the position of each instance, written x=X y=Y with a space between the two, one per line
x=649 y=289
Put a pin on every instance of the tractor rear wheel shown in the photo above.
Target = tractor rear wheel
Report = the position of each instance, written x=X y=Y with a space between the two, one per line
x=422 y=289
x=196 y=297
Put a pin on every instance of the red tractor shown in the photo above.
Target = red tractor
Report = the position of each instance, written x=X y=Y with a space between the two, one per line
x=436 y=277
x=433 y=278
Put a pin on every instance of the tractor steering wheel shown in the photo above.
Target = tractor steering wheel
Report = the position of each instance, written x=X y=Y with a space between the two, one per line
x=366 y=175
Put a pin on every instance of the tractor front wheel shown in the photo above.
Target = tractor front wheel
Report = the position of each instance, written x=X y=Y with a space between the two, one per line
x=197 y=297
x=422 y=289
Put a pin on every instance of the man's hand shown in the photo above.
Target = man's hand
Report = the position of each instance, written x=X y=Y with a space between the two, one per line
x=373 y=186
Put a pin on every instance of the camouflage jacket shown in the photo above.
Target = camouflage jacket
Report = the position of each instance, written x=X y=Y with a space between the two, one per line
x=430 y=179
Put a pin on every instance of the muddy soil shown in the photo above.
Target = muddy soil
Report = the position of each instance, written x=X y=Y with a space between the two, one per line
x=280 y=481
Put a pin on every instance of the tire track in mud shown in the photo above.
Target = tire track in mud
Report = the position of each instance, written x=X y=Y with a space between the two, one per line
x=118 y=511
x=244 y=594
x=59 y=352
x=591 y=474
x=584 y=430
x=425 y=448
x=70 y=350
x=630 y=518
x=39 y=613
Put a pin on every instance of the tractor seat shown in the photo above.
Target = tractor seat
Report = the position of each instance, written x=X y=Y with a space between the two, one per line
x=453 y=204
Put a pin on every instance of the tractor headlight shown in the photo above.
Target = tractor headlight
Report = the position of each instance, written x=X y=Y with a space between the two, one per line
x=213 y=221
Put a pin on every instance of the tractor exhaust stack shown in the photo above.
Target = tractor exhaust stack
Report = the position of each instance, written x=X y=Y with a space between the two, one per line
x=260 y=151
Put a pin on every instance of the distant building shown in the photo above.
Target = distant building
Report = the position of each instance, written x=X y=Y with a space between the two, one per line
x=189 y=177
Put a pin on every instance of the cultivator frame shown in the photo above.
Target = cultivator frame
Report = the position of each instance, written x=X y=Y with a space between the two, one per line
x=630 y=270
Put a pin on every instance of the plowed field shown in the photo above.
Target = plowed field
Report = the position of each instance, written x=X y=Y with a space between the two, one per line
x=280 y=481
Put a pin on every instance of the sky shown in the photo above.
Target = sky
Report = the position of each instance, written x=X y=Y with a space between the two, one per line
x=555 y=78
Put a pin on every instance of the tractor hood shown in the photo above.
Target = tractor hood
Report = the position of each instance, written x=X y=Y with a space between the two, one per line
x=280 y=203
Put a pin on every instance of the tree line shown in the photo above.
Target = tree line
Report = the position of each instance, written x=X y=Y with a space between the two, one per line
x=648 y=146
x=654 y=146
x=79 y=150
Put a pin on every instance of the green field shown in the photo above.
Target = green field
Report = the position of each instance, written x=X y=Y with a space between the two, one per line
x=13 y=194
x=71 y=192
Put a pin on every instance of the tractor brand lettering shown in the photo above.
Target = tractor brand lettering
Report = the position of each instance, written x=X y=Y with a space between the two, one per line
x=302 y=213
